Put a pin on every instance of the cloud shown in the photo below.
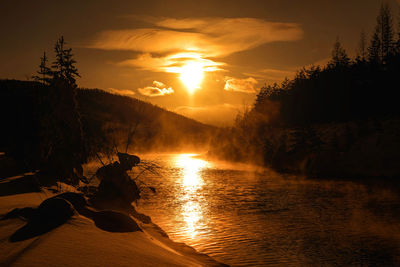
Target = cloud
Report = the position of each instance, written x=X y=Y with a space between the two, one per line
x=210 y=37
x=240 y=85
x=171 y=43
x=158 y=84
x=171 y=63
x=120 y=91
x=159 y=89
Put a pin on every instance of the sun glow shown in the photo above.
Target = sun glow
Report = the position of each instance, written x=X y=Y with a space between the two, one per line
x=191 y=67
x=191 y=168
x=191 y=74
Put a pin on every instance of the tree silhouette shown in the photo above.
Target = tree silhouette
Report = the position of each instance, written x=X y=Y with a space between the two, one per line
x=382 y=43
x=374 y=49
x=387 y=35
x=362 y=48
x=398 y=35
x=43 y=71
x=64 y=65
x=339 y=56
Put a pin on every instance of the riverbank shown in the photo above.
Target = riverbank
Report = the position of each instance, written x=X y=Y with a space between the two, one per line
x=80 y=242
x=355 y=150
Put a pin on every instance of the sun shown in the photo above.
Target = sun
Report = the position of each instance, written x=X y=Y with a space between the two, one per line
x=191 y=75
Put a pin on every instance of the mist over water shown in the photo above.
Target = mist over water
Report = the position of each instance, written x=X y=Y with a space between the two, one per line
x=244 y=217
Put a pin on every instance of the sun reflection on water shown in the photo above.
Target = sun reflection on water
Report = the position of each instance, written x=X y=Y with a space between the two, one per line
x=191 y=168
x=191 y=183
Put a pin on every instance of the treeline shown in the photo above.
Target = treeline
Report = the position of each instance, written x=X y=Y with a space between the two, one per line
x=330 y=119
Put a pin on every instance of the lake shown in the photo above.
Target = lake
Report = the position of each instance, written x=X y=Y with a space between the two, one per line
x=244 y=216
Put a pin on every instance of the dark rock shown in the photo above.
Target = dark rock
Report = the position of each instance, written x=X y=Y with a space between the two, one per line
x=50 y=214
x=128 y=161
x=77 y=200
x=25 y=213
x=116 y=183
x=55 y=211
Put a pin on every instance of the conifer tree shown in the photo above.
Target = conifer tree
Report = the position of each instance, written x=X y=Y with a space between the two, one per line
x=64 y=65
x=382 y=43
x=387 y=32
x=339 y=56
x=362 y=47
x=43 y=71
x=398 y=35
x=374 y=48
x=63 y=147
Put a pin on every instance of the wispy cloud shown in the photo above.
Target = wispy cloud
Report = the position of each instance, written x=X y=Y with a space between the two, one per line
x=240 y=85
x=121 y=91
x=171 y=63
x=171 y=43
x=212 y=37
x=158 y=89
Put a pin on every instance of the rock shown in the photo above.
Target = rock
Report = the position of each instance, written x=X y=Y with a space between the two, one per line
x=128 y=161
x=54 y=211
x=116 y=183
x=50 y=214
x=77 y=200
x=25 y=213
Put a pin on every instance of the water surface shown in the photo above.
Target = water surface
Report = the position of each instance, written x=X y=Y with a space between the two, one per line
x=244 y=217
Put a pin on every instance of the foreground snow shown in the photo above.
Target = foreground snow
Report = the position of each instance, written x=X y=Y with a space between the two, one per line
x=80 y=243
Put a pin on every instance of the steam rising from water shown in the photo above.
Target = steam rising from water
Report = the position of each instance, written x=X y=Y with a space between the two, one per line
x=248 y=218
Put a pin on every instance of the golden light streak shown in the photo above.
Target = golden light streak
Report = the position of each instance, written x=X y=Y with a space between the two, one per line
x=192 y=182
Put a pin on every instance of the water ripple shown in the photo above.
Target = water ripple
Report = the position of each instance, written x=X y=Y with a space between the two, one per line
x=247 y=218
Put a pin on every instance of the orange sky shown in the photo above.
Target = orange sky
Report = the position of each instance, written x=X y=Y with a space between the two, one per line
x=204 y=59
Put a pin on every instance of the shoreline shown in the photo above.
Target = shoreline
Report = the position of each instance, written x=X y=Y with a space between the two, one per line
x=78 y=242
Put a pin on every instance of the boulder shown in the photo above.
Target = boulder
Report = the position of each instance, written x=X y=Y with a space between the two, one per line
x=54 y=211
x=116 y=183
x=128 y=161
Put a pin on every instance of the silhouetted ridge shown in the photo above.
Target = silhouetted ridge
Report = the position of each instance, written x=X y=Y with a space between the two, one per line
x=105 y=117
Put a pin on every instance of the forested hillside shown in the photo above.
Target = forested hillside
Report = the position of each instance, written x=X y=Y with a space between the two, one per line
x=342 y=119
x=107 y=121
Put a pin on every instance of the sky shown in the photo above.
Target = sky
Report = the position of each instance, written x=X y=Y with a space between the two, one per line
x=203 y=59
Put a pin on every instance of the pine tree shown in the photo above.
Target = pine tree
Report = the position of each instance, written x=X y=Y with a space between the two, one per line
x=43 y=71
x=374 y=48
x=362 y=47
x=339 y=56
x=398 y=35
x=382 y=43
x=63 y=147
x=64 y=65
x=71 y=72
x=58 y=64
x=387 y=32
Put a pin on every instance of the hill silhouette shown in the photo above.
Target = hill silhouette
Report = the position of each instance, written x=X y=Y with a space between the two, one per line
x=108 y=121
